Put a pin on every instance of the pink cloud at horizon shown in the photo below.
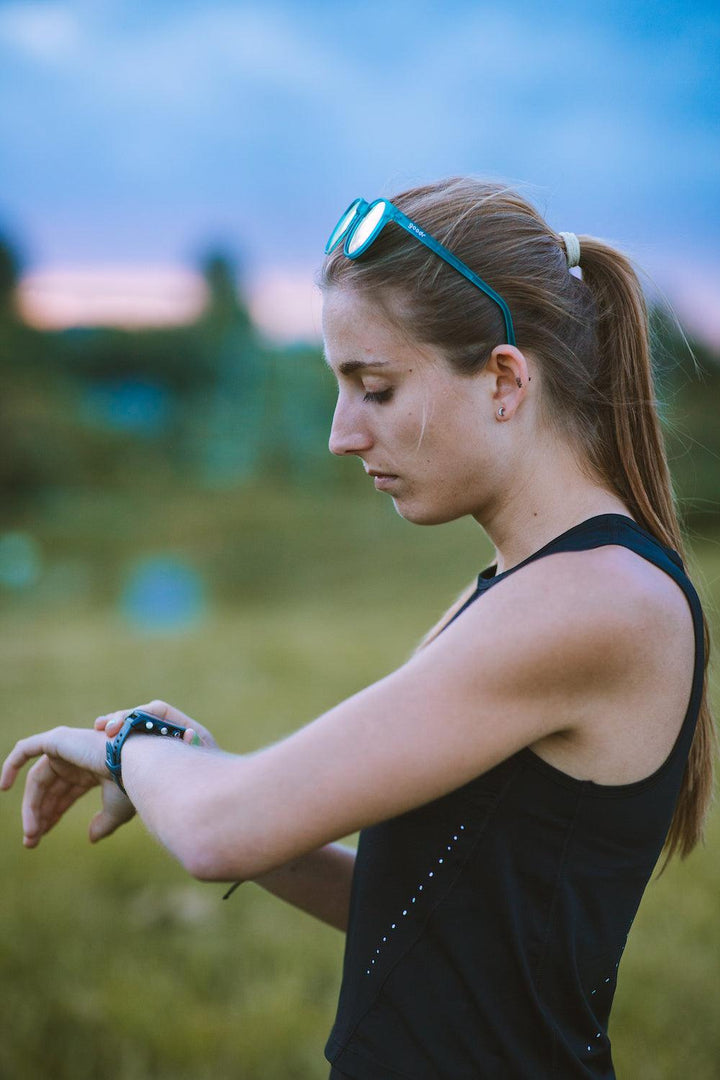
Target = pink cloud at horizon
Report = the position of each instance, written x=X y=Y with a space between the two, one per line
x=285 y=304
x=693 y=289
x=59 y=297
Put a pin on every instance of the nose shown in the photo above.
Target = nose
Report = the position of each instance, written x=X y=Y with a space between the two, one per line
x=348 y=434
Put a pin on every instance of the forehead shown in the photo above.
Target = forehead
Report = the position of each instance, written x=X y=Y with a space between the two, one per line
x=358 y=333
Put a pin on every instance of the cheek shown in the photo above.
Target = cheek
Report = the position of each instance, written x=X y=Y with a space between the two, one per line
x=409 y=429
x=422 y=425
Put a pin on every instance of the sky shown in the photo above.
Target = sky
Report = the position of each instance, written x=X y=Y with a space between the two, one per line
x=136 y=135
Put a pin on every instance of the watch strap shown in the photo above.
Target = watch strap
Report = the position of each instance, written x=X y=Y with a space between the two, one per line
x=137 y=723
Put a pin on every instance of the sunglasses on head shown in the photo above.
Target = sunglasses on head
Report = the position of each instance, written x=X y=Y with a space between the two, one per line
x=363 y=222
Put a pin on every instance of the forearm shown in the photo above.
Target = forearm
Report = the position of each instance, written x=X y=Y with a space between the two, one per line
x=176 y=811
x=224 y=817
x=318 y=883
x=172 y=786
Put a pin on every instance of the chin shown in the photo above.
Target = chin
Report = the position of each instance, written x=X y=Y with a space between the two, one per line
x=426 y=515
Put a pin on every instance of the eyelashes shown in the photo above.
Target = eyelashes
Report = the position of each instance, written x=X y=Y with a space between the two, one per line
x=378 y=396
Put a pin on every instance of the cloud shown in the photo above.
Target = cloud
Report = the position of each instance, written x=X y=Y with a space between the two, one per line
x=46 y=33
x=111 y=295
x=132 y=130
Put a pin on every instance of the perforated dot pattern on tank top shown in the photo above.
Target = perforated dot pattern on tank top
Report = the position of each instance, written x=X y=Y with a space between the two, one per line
x=433 y=875
x=598 y=1040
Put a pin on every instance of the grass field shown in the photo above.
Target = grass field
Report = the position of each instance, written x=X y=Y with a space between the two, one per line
x=113 y=963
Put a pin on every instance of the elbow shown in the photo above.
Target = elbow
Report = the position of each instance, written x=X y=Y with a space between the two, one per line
x=201 y=865
x=211 y=866
x=215 y=840
x=209 y=857
x=204 y=858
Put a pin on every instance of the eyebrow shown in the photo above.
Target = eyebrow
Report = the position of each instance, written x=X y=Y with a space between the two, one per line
x=349 y=367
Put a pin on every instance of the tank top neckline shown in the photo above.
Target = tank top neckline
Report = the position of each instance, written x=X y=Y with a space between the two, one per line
x=489 y=575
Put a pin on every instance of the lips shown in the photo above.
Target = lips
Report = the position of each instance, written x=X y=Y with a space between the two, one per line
x=383 y=481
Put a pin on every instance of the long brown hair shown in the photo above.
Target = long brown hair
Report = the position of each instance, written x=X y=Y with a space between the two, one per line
x=589 y=333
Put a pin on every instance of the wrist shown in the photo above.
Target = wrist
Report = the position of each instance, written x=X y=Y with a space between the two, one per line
x=137 y=723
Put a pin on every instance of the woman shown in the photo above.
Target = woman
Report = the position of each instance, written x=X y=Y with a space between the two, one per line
x=516 y=780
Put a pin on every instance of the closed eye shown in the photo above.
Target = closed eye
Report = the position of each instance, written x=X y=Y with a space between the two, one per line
x=378 y=396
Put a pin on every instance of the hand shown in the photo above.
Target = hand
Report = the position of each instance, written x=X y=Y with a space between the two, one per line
x=71 y=761
x=112 y=722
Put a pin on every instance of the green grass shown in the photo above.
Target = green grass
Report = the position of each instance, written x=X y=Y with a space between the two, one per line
x=113 y=963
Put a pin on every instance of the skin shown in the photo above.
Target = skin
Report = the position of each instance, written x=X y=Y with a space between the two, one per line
x=597 y=688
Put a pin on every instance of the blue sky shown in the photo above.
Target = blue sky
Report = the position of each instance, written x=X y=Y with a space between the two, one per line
x=139 y=133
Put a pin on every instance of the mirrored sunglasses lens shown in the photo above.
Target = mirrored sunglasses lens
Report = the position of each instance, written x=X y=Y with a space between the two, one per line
x=365 y=228
x=343 y=225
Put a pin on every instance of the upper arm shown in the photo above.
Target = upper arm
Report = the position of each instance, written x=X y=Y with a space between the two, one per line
x=523 y=662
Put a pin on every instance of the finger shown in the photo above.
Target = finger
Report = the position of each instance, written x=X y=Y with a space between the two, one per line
x=60 y=797
x=119 y=716
x=116 y=810
x=101 y=825
x=158 y=708
x=48 y=794
x=111 y=722
x=36 y=799
x=23 y=751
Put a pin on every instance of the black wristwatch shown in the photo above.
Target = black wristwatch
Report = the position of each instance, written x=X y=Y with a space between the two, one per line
x=142 y=723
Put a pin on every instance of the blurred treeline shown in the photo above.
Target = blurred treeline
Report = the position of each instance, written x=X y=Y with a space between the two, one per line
x=98 y=422
x=204 y=405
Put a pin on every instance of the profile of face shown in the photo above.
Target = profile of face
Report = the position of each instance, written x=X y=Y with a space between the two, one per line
x=428 y=436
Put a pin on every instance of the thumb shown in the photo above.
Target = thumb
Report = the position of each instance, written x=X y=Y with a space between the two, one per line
x=102 y=825
x=106 y=821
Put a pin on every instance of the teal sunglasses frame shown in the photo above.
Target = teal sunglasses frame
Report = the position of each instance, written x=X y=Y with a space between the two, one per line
x=357 y=211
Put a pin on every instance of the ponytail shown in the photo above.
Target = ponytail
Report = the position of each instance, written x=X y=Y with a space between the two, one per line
x=633 y=457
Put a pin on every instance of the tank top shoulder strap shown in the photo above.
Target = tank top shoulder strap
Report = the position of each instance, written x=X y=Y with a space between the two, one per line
x=605 y=529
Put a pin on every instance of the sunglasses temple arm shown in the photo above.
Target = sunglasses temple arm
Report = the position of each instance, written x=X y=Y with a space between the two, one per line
x=466 y=272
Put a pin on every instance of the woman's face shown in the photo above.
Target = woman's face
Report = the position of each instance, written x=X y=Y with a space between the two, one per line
x=426 y=434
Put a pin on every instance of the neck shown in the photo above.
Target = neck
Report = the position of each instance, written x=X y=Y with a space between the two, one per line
x=543 y=503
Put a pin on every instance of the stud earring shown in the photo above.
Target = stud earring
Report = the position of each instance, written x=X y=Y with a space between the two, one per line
x=501 y=411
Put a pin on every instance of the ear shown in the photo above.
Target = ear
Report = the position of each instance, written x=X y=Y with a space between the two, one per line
x=508 y=370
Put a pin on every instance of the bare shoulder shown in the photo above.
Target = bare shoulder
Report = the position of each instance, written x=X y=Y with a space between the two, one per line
x=641 y=597
x=627 y=628
x=610 y=586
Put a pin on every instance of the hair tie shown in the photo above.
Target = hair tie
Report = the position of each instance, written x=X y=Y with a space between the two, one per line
x=572 y=248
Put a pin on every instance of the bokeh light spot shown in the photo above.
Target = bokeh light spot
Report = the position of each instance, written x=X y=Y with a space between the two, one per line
x=163 y=593
x=128 y=405
x=20 y=560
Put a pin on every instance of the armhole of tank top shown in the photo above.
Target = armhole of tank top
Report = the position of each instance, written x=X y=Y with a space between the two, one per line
x=683 y=741
x=606 y=530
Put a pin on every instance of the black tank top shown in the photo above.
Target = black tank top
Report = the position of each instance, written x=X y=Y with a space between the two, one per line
x=486 y=927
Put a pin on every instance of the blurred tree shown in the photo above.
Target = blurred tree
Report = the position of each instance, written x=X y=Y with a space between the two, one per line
x=230 y=427
x=226 y=305
x=10 y=266
x=688 y=378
